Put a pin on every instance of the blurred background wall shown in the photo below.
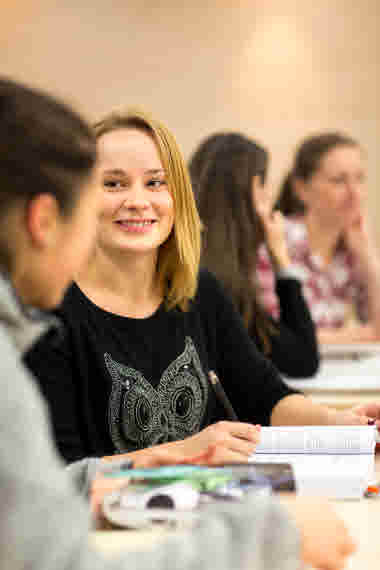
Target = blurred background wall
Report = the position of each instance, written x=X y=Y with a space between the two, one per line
x=275 y=70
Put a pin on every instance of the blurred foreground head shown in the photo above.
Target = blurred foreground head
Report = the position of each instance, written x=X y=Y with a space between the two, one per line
x=47 y=155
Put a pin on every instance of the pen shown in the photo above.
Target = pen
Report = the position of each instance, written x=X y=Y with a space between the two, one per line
x=222 y=396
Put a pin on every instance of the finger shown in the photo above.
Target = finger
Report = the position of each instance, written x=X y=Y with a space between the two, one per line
x=371 y=410
x=354 y=419
x=278 y=216
x=263 y=211
x=349 y=546
x=364 y=420
x=221 y=455
x=241 y=446
x=249 y=432
x=332 y=562
x=279 y=222
x=262 y=201
x=258 y=196
x=335 y=564
x=215 y=455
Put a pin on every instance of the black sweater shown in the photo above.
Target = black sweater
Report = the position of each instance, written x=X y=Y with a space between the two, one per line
x=116 y=384
x=293 y=344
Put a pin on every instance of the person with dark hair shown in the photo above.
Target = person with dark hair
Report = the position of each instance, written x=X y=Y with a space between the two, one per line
x=230 y=171
x=330 y=243
x=199 y=160
x=49 y=210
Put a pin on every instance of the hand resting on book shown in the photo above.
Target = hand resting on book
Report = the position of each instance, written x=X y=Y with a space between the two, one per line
x=231 y=442
x=219 y=443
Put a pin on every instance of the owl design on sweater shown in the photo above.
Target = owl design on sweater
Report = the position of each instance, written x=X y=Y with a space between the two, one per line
x=140 y=415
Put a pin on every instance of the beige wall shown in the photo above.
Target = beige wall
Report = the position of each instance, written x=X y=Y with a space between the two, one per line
x=275 y=69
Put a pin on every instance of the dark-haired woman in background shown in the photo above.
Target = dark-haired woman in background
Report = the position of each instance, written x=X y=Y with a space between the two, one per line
x=329 y=240
x=229 y=173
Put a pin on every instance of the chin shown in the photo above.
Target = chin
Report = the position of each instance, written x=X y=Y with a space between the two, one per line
x=138 y=246
x=52 y=300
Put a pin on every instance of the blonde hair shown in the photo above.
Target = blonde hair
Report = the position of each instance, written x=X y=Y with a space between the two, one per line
x=179 y=256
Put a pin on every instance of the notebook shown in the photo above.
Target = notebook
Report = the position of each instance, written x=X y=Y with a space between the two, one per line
x=333 y=461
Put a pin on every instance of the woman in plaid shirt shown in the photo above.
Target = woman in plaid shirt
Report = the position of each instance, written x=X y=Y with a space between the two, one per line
x=330 y=245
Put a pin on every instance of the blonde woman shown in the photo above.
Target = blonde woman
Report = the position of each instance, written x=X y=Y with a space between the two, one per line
x=48 y=211
x=145 y=327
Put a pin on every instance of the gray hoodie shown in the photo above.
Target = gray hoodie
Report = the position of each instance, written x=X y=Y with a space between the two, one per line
x=44 y=524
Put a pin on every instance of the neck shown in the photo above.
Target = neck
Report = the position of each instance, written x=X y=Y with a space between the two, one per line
x=112 y=276
x=323 y=236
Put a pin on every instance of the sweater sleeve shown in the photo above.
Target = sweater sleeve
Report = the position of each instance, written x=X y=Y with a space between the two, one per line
x=51 y=362
x=250 y=380
x=294 y=347
x=44 y=525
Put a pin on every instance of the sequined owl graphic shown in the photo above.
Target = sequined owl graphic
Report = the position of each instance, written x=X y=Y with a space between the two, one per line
x=140 y=415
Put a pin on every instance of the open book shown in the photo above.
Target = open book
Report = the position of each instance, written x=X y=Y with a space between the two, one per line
x=333 y=461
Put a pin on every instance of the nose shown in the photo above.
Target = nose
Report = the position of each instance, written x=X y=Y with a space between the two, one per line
x=137 y=198
x=355 y=190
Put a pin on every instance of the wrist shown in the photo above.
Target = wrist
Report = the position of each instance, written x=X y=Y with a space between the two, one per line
x=288 y=272
x=175 y=447
x=332 y=417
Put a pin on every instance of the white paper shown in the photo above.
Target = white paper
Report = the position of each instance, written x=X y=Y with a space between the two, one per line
x=317 y=439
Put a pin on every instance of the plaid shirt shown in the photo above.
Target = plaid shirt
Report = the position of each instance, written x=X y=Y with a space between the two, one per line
x=331 y=291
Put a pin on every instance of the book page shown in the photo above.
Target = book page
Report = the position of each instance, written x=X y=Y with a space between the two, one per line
x=317 y=440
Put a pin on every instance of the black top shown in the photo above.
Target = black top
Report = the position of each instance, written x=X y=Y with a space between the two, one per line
x=294 y=346
x=116 y=384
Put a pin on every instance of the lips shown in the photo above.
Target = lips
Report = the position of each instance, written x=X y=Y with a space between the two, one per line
x=136 y=223
x=136 y=226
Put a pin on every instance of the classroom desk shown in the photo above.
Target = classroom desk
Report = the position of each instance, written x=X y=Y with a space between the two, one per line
x=344 y=383
x=362 y=518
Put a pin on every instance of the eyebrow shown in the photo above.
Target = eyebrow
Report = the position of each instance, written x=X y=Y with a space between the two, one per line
x=120 y=172
x=115 y=171
x=155 y=171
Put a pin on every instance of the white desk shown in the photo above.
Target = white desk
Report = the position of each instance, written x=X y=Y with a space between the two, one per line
x=344 y=383
x=362 y=517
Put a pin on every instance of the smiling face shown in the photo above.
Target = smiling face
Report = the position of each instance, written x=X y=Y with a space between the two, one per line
x=337 y=189
x=138 y=211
